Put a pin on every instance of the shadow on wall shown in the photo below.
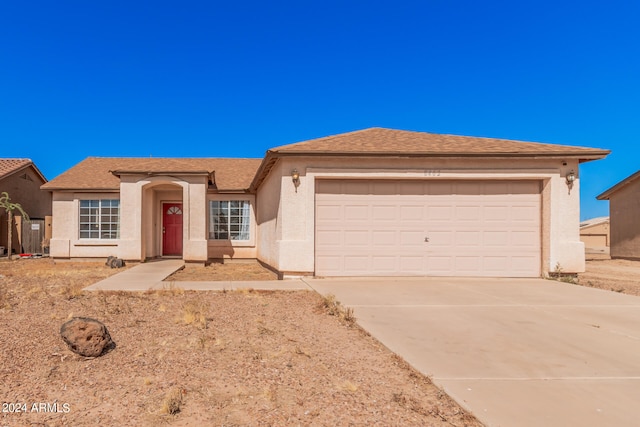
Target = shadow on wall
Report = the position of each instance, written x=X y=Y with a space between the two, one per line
x=221 y=249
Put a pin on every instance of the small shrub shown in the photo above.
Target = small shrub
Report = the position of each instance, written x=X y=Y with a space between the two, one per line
x=172 y=402
x=332 y=307
x=194 y=314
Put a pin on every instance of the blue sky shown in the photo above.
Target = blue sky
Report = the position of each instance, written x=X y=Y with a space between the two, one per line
x=232 y=79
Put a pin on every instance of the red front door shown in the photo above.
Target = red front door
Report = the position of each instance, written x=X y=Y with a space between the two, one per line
x=172 y=229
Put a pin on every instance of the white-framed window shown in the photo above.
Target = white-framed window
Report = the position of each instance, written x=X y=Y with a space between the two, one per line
x=100 y=219
x=229 y=219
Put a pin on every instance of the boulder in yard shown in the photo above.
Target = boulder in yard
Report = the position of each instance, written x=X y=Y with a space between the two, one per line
x=115 y=262
x=86 y=337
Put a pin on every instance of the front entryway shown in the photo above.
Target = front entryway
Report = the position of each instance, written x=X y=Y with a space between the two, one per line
x=172 y=229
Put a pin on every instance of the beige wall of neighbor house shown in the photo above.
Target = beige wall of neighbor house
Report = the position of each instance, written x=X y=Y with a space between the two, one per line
x=624 y=208
x=23 y=186
x=596 y=235
x=286 y=214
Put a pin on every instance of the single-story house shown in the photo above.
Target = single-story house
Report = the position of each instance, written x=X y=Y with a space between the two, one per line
x=21 y=179
x=378 y=202
x=595 y=233
x=624 y=208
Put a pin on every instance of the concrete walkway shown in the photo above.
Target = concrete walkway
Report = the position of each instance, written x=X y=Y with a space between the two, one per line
x=515 y=352
x=150 y=276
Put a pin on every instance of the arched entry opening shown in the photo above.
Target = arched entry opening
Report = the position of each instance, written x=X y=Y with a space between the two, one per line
x=163 y=218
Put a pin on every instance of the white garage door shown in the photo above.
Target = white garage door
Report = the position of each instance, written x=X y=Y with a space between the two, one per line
x=433 y=228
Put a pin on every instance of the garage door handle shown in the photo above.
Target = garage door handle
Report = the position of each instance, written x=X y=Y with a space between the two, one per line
x=426 y=239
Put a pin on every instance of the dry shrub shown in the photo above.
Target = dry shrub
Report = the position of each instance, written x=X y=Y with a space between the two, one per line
x=332 y=307
x=172 y=402
x=349 y=386
x=194 y=313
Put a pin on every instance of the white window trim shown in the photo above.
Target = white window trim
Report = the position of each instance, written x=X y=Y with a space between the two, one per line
x=87 y=241
x=252 y=220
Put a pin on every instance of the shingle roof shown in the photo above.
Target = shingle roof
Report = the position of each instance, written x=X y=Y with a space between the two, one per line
x=628 y=180
x=9 y=166
x=391 y=141
x=95 y=173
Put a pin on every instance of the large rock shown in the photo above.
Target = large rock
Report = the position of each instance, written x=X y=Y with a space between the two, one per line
x=86 y=337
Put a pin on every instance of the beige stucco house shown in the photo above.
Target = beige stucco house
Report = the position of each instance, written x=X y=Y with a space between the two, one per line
x=377 y=202
x=21 y=179
x=595 y=232
x=624 y=208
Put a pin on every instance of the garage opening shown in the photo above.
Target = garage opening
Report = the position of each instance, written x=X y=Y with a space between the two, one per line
x=428 y=228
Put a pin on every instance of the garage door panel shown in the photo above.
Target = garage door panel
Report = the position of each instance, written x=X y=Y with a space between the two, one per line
x=440 y=239
x=467 y=213
x=357 y=264
x=473 y=228
x=411 y=213
x=440 y=265
x=356 y=212
x=384 y=212
x=384 y=238
x=527 y=239
x=329 y=238
x=470 y=239
x=466 y=265
x=329 y=212
x=439 y=212
x=384 y=264
x=357 y=238
x=528 y=213
x=495 y=213
x=412 y=263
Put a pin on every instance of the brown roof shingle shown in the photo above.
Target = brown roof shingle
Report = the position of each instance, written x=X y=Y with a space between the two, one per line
x=9 y=166
x=391 y=141
x=95 y=173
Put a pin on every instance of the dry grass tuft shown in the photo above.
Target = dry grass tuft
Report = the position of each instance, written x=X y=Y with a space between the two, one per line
x=333 y=307
x=172 y=402
x=194 y=313
x=349 y=386
x=168 y=289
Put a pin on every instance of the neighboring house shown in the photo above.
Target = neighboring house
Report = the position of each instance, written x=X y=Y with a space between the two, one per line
x=22 y=180
x=624 y=209
x=594 y=233
x=376 y=202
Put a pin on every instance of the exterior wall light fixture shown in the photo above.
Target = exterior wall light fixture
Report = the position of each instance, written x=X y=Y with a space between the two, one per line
x=295 y=177
x=571 y=176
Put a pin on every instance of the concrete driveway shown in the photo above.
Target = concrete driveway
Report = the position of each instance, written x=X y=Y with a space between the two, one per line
x=514 y=352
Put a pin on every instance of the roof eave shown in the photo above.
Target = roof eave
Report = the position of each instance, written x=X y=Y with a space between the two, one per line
x=582 y=156
x=607 y=193
x=81 y=190
x=119 y=173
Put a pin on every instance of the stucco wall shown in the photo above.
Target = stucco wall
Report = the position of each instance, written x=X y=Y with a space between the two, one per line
x=64 y=240
x=141 y=202
x=624 y=207
x=268 y=217
x=286 y=225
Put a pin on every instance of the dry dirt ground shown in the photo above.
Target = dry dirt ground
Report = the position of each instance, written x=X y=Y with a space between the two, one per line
x=198 y=359
x=616 y=275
